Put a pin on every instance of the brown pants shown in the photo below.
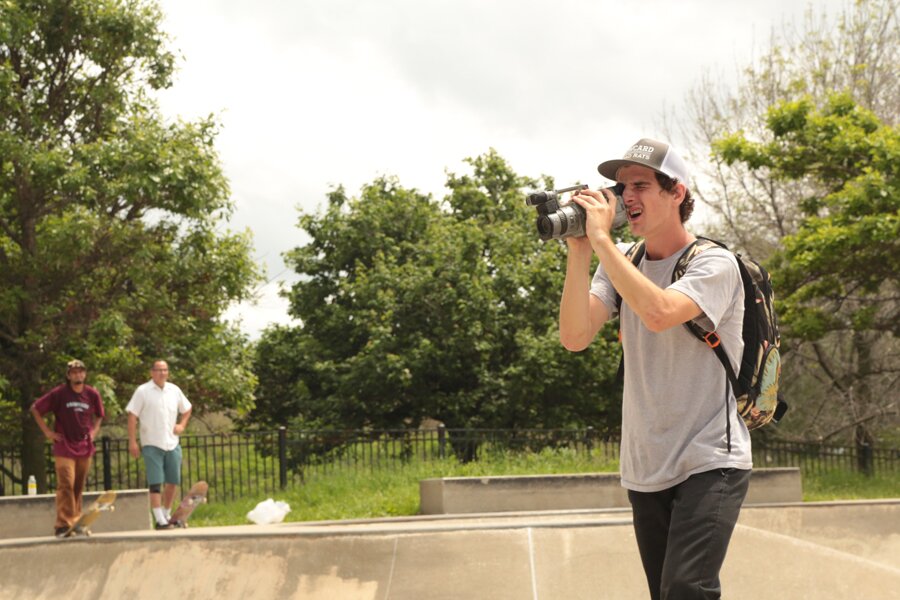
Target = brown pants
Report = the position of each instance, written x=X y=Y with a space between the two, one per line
x=71 y=473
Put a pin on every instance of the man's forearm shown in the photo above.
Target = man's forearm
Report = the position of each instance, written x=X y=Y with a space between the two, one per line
x=575 y=330
x=39 y=419
x=657 y=308
x=132 y=428
x=631 y=285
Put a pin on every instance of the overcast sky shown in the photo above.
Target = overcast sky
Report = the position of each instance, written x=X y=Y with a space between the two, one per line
x=316 y=93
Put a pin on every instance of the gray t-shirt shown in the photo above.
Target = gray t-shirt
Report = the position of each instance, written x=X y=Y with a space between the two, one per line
x=673 y=409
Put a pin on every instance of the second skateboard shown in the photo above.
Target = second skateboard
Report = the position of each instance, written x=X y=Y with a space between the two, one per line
x=195 y=497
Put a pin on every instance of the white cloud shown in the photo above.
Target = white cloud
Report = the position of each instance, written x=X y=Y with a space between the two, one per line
x=315 y=93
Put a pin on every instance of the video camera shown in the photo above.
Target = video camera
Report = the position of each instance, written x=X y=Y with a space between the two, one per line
x=558 y=222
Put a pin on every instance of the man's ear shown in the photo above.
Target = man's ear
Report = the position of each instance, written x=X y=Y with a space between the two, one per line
x=679 y=192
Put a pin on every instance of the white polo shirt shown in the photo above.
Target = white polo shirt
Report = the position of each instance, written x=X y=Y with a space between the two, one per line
x=157 y=409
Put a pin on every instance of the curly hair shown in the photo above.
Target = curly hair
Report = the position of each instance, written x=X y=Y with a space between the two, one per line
x=687 y=206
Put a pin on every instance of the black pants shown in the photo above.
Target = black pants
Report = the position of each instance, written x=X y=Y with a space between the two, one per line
x=683 y=532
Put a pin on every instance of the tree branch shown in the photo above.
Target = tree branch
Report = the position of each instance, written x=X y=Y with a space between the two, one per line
x=823 y=362
x=885 y=412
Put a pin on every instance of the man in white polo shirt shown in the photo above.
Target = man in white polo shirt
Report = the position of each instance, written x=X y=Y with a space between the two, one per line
x=157 y=405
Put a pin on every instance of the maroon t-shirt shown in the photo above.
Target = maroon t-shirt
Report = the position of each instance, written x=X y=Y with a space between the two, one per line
x=75 y=415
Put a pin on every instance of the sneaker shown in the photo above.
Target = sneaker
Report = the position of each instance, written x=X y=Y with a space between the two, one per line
x=165 y=526
x=60 y=532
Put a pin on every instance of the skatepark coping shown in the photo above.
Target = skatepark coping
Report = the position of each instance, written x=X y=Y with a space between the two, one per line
x=827 y=551
x=460 y=495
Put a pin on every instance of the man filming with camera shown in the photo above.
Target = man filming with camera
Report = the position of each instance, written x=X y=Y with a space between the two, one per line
x=685 y=454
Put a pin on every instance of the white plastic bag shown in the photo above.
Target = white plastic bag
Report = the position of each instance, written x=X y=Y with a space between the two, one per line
x=269 y=511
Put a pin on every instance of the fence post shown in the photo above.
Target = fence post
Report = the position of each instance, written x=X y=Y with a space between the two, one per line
x=865 y=459
x=864 y=454
x=442 y=441
x=282 y=457
x=589 y=439
x=106 y=445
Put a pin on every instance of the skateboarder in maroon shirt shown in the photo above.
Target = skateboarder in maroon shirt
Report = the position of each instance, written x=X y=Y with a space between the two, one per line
x=78 y=412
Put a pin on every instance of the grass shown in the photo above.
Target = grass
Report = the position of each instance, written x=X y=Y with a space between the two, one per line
x=391 y=491
x=394 y=490
x=849 y=485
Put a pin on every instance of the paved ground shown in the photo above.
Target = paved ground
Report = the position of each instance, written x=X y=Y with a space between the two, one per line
x=819 y=550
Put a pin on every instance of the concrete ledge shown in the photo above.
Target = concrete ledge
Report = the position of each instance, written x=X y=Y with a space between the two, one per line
x=33 y=516
x=464 y=495
x=501 y=557
x=774 y=485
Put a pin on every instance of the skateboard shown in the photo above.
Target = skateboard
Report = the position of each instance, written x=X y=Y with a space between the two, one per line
x=82 y=526
x=195 y=496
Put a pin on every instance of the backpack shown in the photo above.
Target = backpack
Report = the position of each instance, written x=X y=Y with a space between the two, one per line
x=756 y=384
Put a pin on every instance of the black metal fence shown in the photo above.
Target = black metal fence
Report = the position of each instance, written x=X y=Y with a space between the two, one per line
x=256 y=463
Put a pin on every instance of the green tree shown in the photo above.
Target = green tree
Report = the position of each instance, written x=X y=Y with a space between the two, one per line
x=412 y=309
x=111 y=248
x=856 y=51
x=838 y=274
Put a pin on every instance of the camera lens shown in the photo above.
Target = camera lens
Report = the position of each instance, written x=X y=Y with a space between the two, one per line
x=545 y=227
x=555 y=221
x=571 y=218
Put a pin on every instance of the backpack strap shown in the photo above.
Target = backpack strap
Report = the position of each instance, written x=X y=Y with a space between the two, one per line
x=699 y=245
x=635 y=254
x=711 y=338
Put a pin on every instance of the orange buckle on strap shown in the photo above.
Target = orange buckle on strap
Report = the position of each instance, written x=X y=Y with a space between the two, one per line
x=712 y=339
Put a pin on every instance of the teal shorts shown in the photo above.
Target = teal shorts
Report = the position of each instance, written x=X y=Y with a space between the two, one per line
x=162 y=466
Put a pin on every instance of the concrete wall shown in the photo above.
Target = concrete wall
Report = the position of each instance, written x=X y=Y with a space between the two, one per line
x=869 y=529
x=459 y=495
x=498 y=558
x=32 y=516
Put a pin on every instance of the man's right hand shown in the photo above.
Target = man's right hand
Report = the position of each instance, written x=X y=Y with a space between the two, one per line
x=600 y=209
x=53 y=436
x=134 y=449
